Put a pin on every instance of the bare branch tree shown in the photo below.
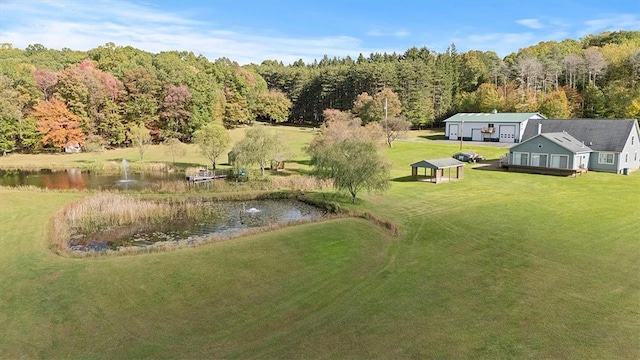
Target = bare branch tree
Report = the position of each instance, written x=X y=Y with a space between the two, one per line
x=596 y=63
x=529 y=71
x=572 y=64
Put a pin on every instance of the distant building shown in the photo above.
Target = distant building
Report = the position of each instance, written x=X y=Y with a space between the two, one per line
x=494 y=126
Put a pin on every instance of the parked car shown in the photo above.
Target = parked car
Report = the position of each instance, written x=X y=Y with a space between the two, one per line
x=504 y=160
x=468 y=156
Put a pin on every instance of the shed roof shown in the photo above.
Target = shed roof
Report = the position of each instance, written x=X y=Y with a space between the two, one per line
x=437 y=163
x=598 y=134
x=494 y=117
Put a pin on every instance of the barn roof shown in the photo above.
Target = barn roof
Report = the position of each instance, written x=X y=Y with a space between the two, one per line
x=437 y=163
x=494 y=117
x=598 y=134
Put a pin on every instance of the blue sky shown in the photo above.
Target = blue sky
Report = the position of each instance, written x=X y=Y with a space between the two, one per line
x=250 y=31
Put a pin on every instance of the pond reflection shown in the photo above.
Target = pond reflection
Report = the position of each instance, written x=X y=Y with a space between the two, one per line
x=82 y=179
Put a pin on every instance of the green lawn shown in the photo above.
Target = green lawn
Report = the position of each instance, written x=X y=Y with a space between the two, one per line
x=498 y=265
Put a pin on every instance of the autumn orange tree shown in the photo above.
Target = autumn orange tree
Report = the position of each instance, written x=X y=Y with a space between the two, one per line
x=57 y=124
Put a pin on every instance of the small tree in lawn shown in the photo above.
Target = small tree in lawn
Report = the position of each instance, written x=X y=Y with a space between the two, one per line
x=212 y=139
x=341 y=125
x=394 y=128
x=140 y=137
x=258 y=146
x=353 y=165
x=347 y=152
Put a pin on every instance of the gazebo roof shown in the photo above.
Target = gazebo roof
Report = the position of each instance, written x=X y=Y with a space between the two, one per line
x=438 y=163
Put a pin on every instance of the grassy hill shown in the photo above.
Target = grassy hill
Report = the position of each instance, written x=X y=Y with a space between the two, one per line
x=498 y=265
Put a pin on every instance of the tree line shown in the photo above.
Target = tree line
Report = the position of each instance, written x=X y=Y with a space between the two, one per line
x=595 y=77
x=49 y=98
x=103 y=96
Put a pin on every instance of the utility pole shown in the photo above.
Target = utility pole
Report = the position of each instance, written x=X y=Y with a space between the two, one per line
x=461 y=134
x=385 y=108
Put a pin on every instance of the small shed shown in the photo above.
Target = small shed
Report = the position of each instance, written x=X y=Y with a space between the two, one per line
x=446 y=169
x=73 y=147
x=231 y=158
x=277 y=164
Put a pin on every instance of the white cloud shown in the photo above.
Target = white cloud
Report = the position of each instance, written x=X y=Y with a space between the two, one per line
x=611 y=23
x=531 y=23
x=84 y=27
x=501 y=43
x=396 y=33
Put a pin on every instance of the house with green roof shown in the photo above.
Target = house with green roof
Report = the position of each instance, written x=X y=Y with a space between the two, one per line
x=494 y=126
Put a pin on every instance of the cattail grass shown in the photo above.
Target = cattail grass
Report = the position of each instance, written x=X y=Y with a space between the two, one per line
x=106 y=210
x=300 y=182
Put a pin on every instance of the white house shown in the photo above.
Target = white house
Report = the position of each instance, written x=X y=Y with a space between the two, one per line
x=494 y=126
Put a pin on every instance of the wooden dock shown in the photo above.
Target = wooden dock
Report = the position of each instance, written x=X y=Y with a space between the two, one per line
x=206 y=175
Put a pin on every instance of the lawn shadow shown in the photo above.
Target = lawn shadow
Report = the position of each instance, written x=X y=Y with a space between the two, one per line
x=408 y=178
x=301 y=162
x=86 y=161
x=434 y=137
x=290 y=172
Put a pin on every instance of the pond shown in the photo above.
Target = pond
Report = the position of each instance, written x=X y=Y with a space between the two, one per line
x=83 y=179
x=218 y=220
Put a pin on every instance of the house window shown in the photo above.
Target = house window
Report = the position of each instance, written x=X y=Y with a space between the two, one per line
x=539 y=160
x=491 y=126
x=520 y=158
x=560 y=161
x=626 y=157
x=632 y=137
x=606 y=158
x=635 y=156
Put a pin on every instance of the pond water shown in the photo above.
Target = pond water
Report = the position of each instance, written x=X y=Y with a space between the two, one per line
x=218 y=220
x=82 y=179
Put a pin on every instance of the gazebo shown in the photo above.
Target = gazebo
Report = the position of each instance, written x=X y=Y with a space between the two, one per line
x=437 y=170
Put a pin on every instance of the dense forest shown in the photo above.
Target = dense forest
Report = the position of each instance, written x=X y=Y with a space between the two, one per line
x=49 y=98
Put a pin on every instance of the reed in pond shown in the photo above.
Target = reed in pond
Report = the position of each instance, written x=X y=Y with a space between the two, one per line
x=299 y=182
x=108 y=210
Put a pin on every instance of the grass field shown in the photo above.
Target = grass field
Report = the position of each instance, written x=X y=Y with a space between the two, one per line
x=497 y=265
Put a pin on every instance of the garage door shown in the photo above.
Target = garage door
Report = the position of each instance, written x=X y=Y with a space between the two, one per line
x=453 y=132
x=507 y=133
x=476 y=134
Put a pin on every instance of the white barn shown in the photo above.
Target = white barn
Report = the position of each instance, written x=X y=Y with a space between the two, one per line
x=494 y=126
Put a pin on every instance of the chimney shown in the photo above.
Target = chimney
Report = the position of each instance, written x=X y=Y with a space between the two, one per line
x=539 y=128
x=495 y=111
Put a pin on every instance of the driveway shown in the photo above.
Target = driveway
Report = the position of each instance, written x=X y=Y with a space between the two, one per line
x=475 y=143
